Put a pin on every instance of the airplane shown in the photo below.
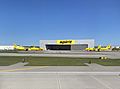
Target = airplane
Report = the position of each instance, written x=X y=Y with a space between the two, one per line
x=20 y=48
x=105 y=48
x=99 y=48
x=93 y=49
x=90 y=49
x=33 y=48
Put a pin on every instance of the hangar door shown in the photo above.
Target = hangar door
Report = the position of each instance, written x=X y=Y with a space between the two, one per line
x=58 y=47
x=79 y=46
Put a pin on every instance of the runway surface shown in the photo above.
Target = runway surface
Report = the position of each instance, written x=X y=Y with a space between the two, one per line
x=58 y=81
x=93 y=76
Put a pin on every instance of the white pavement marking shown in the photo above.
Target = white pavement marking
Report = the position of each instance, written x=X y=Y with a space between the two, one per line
x=58 y=81
x=101 y=82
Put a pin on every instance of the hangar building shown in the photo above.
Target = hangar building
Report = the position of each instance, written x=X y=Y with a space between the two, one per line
x=66 y=44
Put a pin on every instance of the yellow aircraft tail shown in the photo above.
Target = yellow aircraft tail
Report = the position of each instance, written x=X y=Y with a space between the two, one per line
x=109 y=46
x=15 y=45
x=99 y=46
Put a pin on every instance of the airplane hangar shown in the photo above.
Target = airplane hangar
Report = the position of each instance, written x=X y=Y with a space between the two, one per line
x=66 y=44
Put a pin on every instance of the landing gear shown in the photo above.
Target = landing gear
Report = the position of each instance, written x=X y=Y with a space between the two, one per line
x=26 y=50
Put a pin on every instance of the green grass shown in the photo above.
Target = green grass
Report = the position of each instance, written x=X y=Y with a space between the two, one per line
x=109 y=62
x=61 y=61
x=6 y=61
x=57 y=61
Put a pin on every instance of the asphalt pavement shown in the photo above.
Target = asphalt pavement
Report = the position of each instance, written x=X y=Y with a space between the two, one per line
x=112 y=55
x=58 y=81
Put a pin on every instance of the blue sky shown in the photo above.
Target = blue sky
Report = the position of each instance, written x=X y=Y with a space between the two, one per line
x=25 y=22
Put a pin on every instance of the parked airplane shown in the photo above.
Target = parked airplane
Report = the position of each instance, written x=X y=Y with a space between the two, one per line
x=20 y=48
x=99 y=48
x=31 y=48
x=105 y=48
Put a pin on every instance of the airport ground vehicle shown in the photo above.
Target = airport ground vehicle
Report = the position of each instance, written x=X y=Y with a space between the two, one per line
x=99 y=48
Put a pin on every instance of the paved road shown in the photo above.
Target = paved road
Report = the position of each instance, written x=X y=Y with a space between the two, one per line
x=19 y=67
x=113 y=55
x=58 y=81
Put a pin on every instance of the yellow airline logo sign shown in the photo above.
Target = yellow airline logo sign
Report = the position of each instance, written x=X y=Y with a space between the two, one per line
x=65 y=41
